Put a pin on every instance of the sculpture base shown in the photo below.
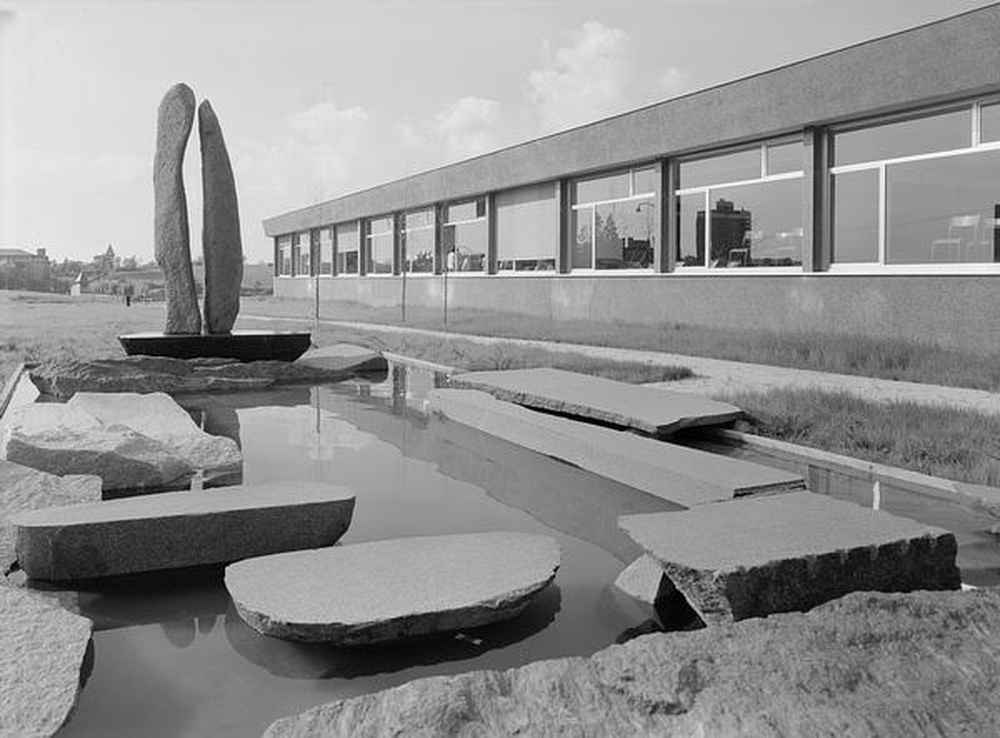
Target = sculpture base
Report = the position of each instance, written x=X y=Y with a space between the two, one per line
x=240 y=345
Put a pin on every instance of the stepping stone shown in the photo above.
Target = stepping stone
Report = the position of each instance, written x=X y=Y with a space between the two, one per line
x=42 y=653
x=681 y=475
x=344 y=357
x=23 y=488
x=132 y=441
x=177 y=529
x=388 y=590
x=647 y=409
x=777 y=553
x=644 y=580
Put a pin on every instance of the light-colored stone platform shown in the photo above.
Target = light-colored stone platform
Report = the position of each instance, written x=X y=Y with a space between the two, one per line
x=42 y=650
x=132 y=441
x=388 y=590
x=177 y=529
x=650 y=410
x=682 y=475
x=23 y=488
x=344 y=357
x=762 y=555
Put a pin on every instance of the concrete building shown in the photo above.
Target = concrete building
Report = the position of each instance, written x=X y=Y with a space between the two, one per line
x=23 y=270
x=857 y=191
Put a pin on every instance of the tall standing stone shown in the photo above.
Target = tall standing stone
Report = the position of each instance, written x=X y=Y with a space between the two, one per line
x=220 y=226
x=170 y=232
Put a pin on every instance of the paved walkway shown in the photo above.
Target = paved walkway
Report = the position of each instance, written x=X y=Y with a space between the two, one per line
x=718 y=377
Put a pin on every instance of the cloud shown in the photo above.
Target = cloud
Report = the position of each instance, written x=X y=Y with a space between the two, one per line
x=596 y=73
x=467 y=126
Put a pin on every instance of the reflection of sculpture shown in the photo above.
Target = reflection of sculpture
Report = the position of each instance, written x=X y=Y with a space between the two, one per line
x=221 y=229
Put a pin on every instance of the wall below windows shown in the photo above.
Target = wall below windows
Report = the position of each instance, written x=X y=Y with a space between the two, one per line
x=954 y=311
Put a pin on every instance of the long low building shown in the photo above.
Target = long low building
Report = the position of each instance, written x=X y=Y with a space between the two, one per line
x=857 y=191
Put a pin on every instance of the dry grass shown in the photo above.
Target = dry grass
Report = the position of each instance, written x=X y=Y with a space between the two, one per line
x=843 y=354
x=943 y=442
x=37 y=326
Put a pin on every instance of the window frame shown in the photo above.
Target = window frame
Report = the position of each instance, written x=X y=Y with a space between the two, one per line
x=484 y=219
x=976 y=145
x=706 y=192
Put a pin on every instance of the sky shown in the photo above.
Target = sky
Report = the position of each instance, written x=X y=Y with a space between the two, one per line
x=320 y=99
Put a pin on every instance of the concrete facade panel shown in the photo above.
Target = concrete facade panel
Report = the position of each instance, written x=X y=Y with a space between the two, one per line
x=956 y=311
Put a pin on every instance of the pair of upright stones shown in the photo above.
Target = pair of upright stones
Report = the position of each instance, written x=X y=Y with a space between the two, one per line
x=223 y=249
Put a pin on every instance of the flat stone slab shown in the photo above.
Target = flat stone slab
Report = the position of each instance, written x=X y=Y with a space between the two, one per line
x=777 y=553
x=648 y=409
x=177 y=529
x=23 y=488
x=681 y=475
x=42 y=650
x=344 y=357
x=388 y=590
x=870 y=664
x=138 y=442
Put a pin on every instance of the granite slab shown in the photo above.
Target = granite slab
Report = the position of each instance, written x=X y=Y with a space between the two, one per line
x=650 y=410
x=393 y=589
x=178 y=529
x=778 y=553
x=681 y=475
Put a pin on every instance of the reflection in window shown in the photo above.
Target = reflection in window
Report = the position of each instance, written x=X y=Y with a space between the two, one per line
x=989 y=123
x=742 y=209
x=300 y=253
x=464 y=236
x=418 y=241
x=379 y=257
x=614 y=221
x=348 y=242
x=326 y=251
x=285 y=256
x=734 y=167
x=855 y=217
x=942 y=132
x=527 y=228
x=943 y=210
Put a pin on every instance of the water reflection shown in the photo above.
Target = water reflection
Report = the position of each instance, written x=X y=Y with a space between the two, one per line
x=324 y=661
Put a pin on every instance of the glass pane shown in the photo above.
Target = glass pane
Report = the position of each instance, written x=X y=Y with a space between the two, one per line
x=465 y=246
x=380 y=254
x=787 y=157
x=601 y=188
x=285 y=257
x=347 y=236
x=691 y=230
x=527 y=265
x=989 y=123
x=326 y=251
x=943 y=210
x=734 y=167
x=904 y=138
x=583 y=239
x=625 y=234
x=855 y=217
x=757 y=225
x=419 y=219
x=347 y=262
x=645 y=180
x=527 y=223
x=418 y=247
x=465 y=210
x=380 y=225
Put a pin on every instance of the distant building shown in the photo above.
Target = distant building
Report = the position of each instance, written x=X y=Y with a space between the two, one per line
x=23 y=270
x=853 y=192
x=105 y=264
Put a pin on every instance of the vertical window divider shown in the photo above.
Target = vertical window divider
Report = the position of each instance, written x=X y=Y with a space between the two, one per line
x=763 y=160
x=976 y=124
x=882 y=213
x=707 y=246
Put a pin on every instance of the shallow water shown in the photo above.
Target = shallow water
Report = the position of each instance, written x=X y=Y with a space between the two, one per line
x=172 y=658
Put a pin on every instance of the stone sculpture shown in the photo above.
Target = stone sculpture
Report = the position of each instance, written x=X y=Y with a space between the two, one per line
x=170 y=231
x=220 y=226
x=221 y=242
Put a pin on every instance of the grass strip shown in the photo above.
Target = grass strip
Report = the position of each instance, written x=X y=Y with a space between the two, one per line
x=883 y=358
x=943 y=442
